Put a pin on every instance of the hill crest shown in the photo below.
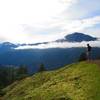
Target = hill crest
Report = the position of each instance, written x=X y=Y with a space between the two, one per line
x=79 y=81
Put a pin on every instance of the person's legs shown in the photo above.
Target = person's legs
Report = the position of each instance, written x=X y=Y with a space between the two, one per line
x=88 y=55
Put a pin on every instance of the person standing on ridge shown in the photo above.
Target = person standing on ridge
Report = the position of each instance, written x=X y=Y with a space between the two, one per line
x=89 y=48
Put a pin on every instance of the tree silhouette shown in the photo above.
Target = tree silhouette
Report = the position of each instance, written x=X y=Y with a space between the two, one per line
x=42 y=68
x=22 y=72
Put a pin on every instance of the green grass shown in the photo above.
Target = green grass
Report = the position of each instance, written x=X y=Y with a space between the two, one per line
x=80 y=81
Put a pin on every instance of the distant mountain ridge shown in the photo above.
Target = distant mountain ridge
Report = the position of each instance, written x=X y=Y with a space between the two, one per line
x=77 y=37
x=52 y=58
x=74 y=37
x=7 y=46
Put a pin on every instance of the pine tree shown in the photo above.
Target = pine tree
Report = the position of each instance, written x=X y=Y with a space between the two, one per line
x=42 y=68
x=22 y=72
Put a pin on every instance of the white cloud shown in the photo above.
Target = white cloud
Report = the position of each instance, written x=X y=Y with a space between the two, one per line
x=63 y=27
x=27 y=34
x=60 y=45
x=40 y=15
x=80 y=25
x=30 y=21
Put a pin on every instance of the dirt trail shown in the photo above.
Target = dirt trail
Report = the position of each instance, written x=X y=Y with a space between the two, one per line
x=95 y=62
x=1 y=98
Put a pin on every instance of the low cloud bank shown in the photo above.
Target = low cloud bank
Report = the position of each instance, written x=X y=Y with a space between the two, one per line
x=60 y=45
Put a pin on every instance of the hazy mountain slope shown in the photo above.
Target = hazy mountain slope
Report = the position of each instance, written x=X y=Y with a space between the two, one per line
x=77 y=37
x=79 y=81
x=52 y=58
x=74 y=37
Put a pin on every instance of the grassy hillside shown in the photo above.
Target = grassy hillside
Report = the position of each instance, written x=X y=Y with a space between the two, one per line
x=80 y=81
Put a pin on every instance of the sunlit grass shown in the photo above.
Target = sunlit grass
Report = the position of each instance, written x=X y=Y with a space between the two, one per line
x=80 y=81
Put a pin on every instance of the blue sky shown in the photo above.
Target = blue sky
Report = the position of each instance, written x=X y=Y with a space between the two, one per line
x=31 y=21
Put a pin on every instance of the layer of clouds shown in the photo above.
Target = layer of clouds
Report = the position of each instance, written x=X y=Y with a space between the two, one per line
x=60 y=45
x=81 y=25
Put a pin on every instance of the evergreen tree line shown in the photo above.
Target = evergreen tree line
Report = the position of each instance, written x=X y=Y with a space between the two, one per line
x=9 y=74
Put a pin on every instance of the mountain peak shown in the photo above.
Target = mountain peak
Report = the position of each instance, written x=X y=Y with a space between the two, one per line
x=79 y=37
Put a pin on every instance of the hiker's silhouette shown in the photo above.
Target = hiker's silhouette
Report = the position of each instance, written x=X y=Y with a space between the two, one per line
x=89 y=48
